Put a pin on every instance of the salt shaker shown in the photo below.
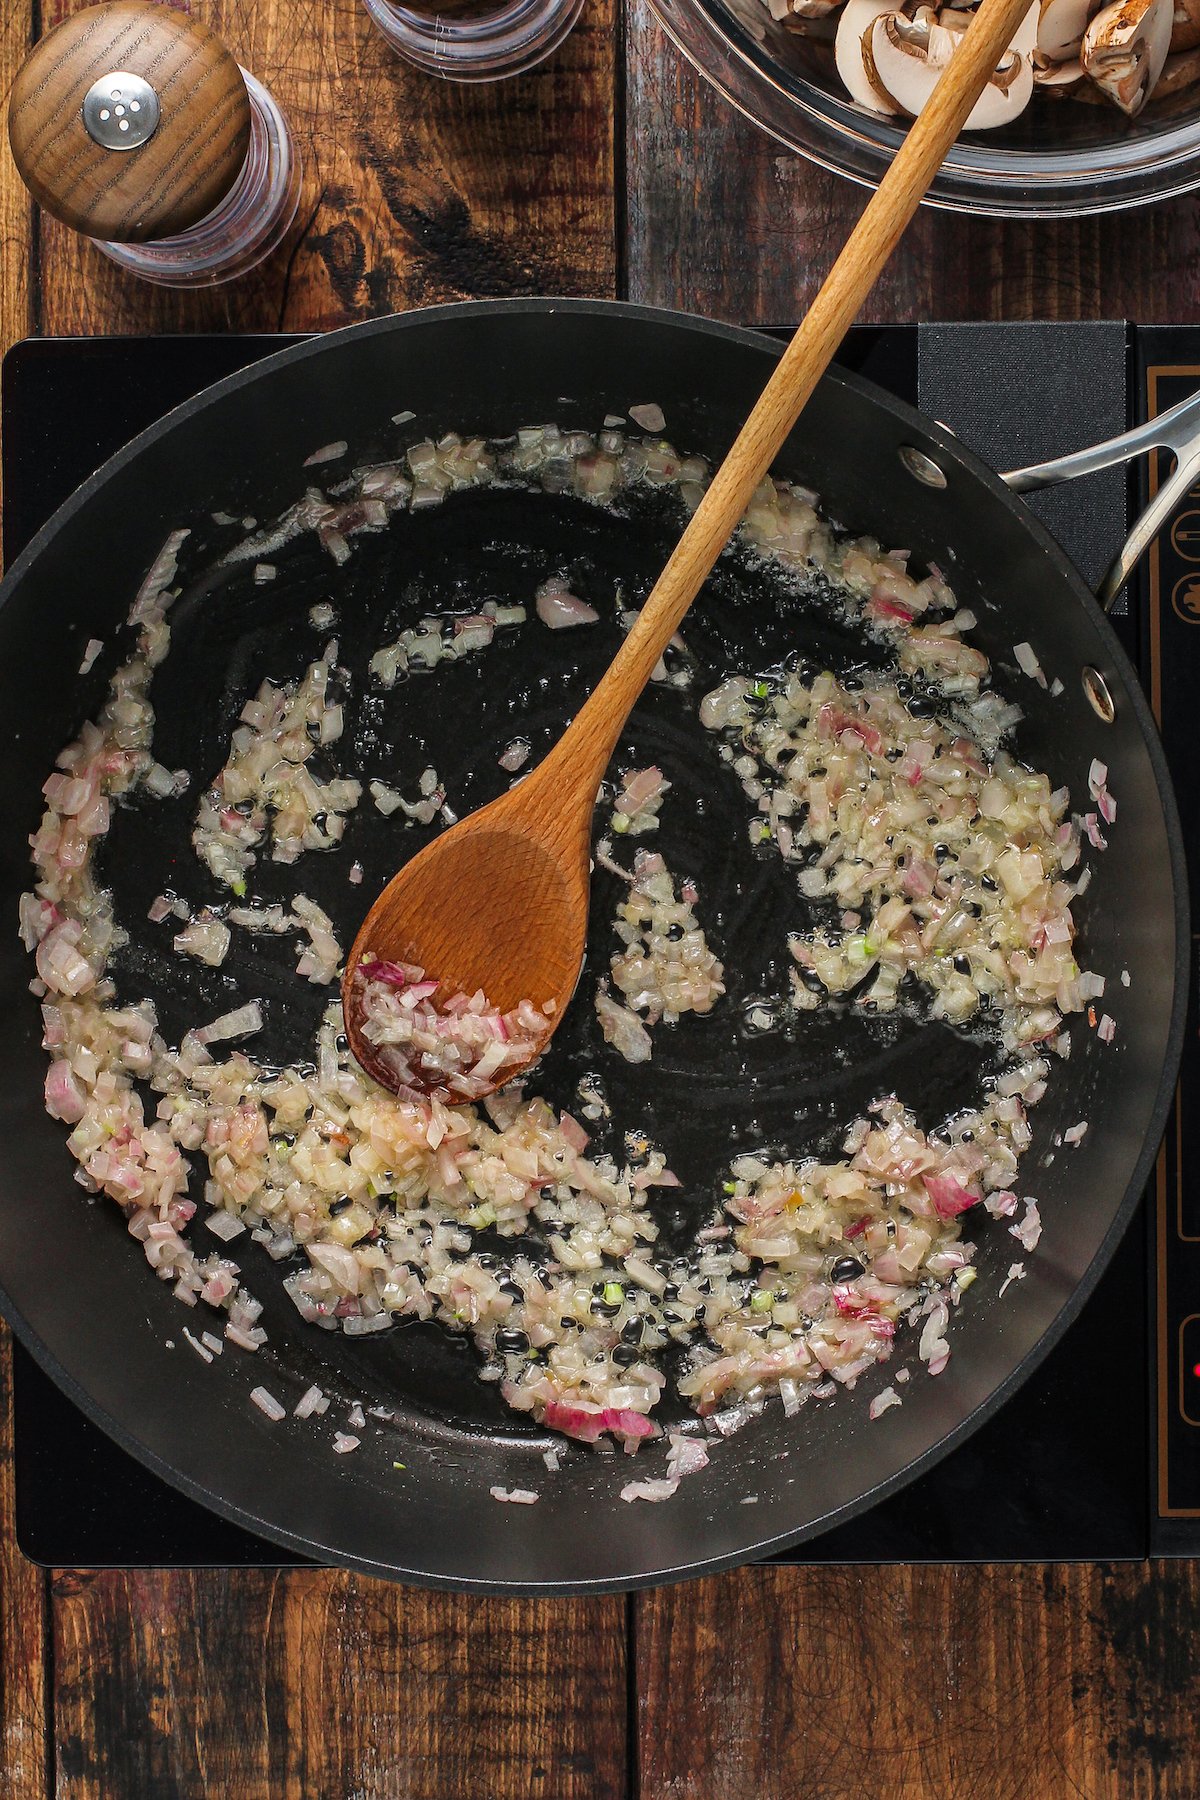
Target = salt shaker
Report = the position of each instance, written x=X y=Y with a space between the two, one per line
x=133 y=124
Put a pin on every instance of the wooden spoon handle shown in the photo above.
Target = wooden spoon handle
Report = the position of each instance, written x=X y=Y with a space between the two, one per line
x=583 y=753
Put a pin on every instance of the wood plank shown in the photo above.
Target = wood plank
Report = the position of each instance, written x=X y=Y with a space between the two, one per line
x=314 y=1685
x=723 y=221
x=1025 y=1683
x=22 y=1636
x=16 y=210
x=415 y=190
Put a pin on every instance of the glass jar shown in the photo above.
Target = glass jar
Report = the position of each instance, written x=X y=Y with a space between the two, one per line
x=475 y=40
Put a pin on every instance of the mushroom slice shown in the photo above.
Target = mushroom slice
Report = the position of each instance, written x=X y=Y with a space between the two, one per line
x=1024 y=38
x=1055 y=77
x=1179 y=72
x=1185 y=26
x=907 y=63
x=783 y=10
x=1124 y=49
x=851 y=55
x=1061 y=25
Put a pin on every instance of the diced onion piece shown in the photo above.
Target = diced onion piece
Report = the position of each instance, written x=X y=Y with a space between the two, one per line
x=242 y=1022
x=558 y=608
x=267 y=1403
x=327 y=453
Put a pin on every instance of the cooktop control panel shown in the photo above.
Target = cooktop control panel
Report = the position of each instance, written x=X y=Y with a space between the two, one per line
x=1168 y=370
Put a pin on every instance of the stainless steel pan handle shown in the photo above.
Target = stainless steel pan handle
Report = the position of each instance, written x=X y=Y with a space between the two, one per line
x=1177 y=430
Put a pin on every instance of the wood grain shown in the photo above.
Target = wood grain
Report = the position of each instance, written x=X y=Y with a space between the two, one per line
x=16 y=208
x=723 y=221
x=958 y=1683
x=23 y=1726
x=415 y=190
x=253 y=1685
x=178 y=175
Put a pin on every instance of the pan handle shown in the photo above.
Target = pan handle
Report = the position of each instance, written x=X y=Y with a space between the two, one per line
x=1177 y=430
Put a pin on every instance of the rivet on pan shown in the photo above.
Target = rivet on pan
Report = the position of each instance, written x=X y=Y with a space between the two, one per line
x=921 y=467
x=1098 y=697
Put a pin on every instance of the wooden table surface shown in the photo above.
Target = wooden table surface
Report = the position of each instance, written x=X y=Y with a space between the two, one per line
x=609 y=171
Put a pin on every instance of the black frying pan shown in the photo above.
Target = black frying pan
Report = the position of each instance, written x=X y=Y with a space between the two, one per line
x=77 y=1291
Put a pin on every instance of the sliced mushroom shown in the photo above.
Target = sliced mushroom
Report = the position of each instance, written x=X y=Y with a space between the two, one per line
x=1179 y=72
x=1056 y=77
x=783 y=10
x=1061 y=25
x=1024 y=38
x=1185 y=26
x=1124 y=49
x=851 y=55
x=906 y=60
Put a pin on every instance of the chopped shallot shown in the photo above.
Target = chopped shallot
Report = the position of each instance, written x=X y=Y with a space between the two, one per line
x=1029 y=1231
x=206 y=938
x=686 y=1456
x=224 y=1226
x=267 y=1403
x=240 y=1023
x=461 y=1046
x=558 y=608
x=206 y=1355
x=649 y=1490
x=327 y=453
x=515 y=755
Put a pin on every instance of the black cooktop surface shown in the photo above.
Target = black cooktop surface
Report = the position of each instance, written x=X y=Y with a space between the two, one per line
x=1097 y=1457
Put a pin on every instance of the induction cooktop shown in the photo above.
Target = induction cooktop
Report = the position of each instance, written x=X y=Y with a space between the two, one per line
x=1098 y=1456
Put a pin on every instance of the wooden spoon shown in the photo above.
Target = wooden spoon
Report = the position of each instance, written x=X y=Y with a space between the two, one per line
x=500 y=901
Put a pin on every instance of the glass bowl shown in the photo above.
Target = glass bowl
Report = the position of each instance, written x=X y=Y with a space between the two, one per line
x=1062 y=158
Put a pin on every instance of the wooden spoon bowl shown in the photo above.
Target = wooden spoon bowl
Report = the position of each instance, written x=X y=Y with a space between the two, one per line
x=496 y=902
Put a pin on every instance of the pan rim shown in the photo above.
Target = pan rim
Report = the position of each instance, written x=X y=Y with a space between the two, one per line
x=1068 y=1311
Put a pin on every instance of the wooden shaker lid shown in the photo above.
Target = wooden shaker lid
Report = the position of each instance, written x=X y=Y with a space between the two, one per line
x=185 y=111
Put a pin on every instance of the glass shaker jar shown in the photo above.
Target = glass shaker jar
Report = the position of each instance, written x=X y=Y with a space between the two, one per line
x=474 y=40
